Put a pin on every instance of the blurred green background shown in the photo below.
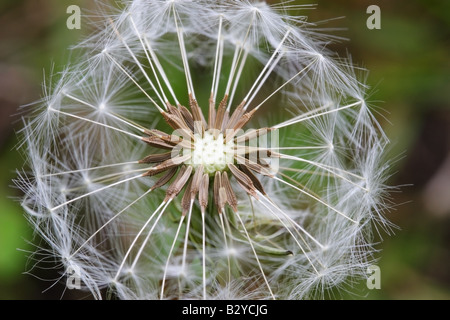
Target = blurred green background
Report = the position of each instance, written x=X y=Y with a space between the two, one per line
x=409 y=65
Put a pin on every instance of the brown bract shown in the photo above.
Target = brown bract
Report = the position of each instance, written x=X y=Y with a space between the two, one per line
x=174 y=164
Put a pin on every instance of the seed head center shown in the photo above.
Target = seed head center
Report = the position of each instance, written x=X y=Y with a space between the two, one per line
x=211 y=152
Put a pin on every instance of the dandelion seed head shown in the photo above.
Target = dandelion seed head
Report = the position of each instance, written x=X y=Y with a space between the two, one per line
x=204 y=149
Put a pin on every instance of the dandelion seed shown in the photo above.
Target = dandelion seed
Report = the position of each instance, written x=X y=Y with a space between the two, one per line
x=156 y=181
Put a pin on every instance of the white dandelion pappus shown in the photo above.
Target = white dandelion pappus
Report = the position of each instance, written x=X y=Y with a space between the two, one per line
x=155 y=192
